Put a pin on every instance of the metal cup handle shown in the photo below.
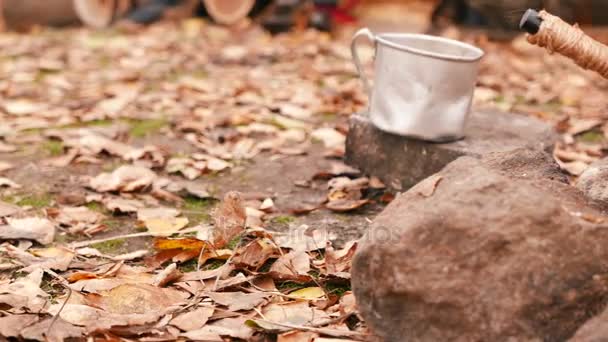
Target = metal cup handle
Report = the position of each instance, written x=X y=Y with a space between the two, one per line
x=353 y=50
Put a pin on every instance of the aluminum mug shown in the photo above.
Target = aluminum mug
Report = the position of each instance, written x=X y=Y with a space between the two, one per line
x=423 y=85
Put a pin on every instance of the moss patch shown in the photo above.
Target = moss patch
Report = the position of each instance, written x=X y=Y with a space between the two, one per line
x=213 y=264
x=140 y=129
x=95 y=206
x=337 y=289
x=593 y=137
x=188 y=266
x=110 y=247
x=53 y=148
x=282 y=220
x=198 y=210
x=288 y=286
x=36 y=201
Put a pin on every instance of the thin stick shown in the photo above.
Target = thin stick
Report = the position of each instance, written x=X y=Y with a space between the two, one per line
x=65 y=284
x=127 y=236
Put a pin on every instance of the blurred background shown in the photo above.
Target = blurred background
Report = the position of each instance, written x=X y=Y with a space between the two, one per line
x=283 y=15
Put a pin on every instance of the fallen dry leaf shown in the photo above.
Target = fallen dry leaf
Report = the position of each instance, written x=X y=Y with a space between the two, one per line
x=5 y=182
x=11 y=326
x=227 y=327
x=127 y=178
x=308 y=293
x=31 y=228
x=293 y=313
x=169 y=274
x=165 y=226
x=61 y=331
x=294 y=265
x=236 y=301
x=25 y=293
x=297 y=336
x=229 y=219
x=255 y=254
x=7 y=209
x=193 y=320
x=302 y=239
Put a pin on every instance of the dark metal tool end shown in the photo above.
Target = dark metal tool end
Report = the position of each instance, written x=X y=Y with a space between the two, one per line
x=531 y=22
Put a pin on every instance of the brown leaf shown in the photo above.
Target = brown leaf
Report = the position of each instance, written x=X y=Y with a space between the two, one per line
x=348 y=303
x=25 y=293
x=32 y=228
x=168 y=275
x=297 y=336
x=345 y=205
x=11 y=325
x=237 y=301
x=255 y=254
x=293 y=313
x=294 y=265
x=301 y=239
x=127 y=178
x=139 y=299
x=229 y=219
x=193 y=320
x=227 y=327
x=61 y=331
x=7 y=209
x=339 y=261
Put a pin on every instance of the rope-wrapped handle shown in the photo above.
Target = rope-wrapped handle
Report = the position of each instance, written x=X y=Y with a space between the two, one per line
x=554 y=34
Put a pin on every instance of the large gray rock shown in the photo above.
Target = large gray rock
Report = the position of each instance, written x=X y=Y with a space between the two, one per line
x=492 y=249
x=594 y=182
x=401 y=162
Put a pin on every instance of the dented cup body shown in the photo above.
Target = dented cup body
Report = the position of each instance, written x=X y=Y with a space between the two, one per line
x=423 y=85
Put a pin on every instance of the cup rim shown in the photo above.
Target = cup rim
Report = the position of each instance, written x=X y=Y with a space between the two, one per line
x=479 y=53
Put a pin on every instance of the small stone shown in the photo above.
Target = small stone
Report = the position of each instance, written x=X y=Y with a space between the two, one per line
x=594 y=181
x=401 y=162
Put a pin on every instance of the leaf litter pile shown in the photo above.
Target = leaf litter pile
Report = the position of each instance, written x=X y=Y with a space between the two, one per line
x=119 y=154
x=118 y=157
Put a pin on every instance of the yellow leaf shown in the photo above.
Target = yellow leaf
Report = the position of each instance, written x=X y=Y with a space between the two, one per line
x=308 y=293
x=184 y=244
x=165 y=226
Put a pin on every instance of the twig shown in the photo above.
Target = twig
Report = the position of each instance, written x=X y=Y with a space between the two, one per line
x=65 y=284
x=127 y=236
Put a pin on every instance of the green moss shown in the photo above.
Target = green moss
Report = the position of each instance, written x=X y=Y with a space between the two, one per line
x=283 y=219
x=592 y=137
x=337 y=289
x=288 y=286
x=110 y=247
x=92 y=123
x=140 y=129
x=36 y=201
x=234 y=242
x=314 y=274
x=53 y=148
x=113 y=224
x=111 y=166
x=213 y=264
x=198 y=210
x=199 y=73
x=328 y=116
x=188 y=266
x=64 y=238
x=96 y=206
